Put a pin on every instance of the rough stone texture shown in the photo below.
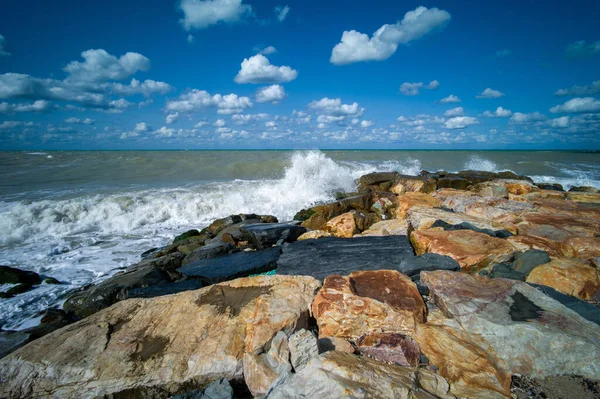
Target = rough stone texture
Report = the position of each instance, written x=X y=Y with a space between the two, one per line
x=443 y=193
x=303 y=347
x=394 y=227
x=582 y=308
x=390 y=348
x=367 y=302
x=208 y=251
x=162 y=344
x=12 y=275
x=571 y=247
x=315 y=234
x=165 y=289
x=492 y=189
x=218 y=389
x=516 y=324
x=473 y=251
x=487 y=208
x=522 y=264
x=334 y=344
x=240 y=264
x=264 y=370
x=343 y=375
x=342 y=226
x=10 y=341
x=264 y=235
x=376 y=178
x=425 y=218
x=321 y=214
x=584 y=197
x=412 y=200
x=571 y=277
x=404 y=184
x=518 y=187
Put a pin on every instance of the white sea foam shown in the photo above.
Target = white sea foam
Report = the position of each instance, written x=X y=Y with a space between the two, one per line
x=476 y=162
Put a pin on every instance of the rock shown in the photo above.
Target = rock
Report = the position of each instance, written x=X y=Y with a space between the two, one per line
x=264 y=370
x=582 y=308
x=557 y=226
x=334 y=344
x=404 y=184
x=571 y=277
x=95 y=298
x=218 y=389
x=342 y=226
x=15 y=289
x=10 y=341
x=519 y=328
x=12 y=275
x=493 y=189
x=518 y=187
x=556 y=387
x=584 y=197
x=413 y=200
x=264 y=235
x=583 y=189
x=161 y=345
x=321 y=214
x=228 y=267
x=186 y=235
x=525 y=262
x=382 y=207
x=393 y=227
x=376 y=178
x=51 y=320
x=165 y=289
x=367 y=302
x=312 y=235
x=457 y=183
x=343 y=375
x=550 y=186
x=390 y=348
x=168 y=264
x=444 y=193
x=425 y=218
x=473 y=251
x=412 y=267
x=303 y=347
x=211 y=250
x=51 y=280
x=487 y=208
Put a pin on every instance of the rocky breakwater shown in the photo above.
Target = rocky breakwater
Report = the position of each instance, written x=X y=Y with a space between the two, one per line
x=465 y=285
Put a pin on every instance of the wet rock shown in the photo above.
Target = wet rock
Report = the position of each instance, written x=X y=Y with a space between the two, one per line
x=321 y=214
x=425 y=218
x=571 y=277
x=168 y=264
x=165 y=289
x=390 y=348
x=550 y=186
x=367 y=302
x=12 y=275
x=264 y=235
x=376 y=178
x=264 y=370
x=393 y=227
x=208 y=251
x=51 y=280
x=473 y=251
x=15 y=290
x=228 y=267
x=186 y=235
x=314 y=234
x=160 y=345
x=51 y=320
x=303 y=347
x=517 y=326
x=414 y=200
x=343 y=375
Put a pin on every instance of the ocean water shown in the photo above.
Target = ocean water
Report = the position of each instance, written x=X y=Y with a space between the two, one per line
x=82 y=216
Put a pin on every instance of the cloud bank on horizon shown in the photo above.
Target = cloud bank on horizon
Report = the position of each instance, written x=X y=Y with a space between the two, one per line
x=247 y=74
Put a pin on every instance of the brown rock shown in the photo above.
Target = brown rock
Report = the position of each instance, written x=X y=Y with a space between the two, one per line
x=405 y=184
x=487 y=208
x=367 y=302
x=390 y=348
x=425 y=218
x=411 y=200
x=160 y=345
x=321 y=214
x=518 y=187
x=443 y=193
x=264 y=370
x=571 y=277
x=393 y=227
x=311 y=235
x=473 y=251
x=342 y=226
x=584 y=197
x=334 y=344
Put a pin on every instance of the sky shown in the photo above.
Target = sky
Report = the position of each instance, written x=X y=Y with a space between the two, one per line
x=295 y=74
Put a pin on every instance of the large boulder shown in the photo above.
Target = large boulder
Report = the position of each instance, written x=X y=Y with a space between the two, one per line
x=393 y=348
x=376 y=178
x=265 y=235
x=367 y=302
x=404 y=184
x=414 y=200
x=344 y=375
x=425 y=218
x=569 y=276
x=211 y=250
x=393 y=227
x=266 y=369
x=472 y=250
x=342 y=226
x=317 y=217
x=12 y=275
x=487 y=208
x=162 y=346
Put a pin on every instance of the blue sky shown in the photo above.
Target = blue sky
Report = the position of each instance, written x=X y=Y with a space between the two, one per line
x=226 y=74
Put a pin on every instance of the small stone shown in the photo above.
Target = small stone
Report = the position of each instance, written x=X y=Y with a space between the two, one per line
x=303 y=347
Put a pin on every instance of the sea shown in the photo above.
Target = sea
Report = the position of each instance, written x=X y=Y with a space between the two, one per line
x=82 y=216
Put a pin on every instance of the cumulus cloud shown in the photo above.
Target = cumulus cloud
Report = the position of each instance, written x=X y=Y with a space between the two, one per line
x=561 y=122
x=266 y=51
x=172 y=118
x=36 y=106
x=581 y=49
x=147 y=88
x=489 y=93
x=86 y=121
x=198 y=100
x=366 y=124
x=521 y=118
x=412 y=89
x=460 y=122
x=281 y=12
x=357 y=47
x=498 y=113
x=458 y=111
x=450 y=99
x=589 y=90
x=270 y=94
x=100 y=66
x=334 y=107
x=3 y=52
x=258 y=69
x=241 y=119
x=200 y=14
x=585 y=104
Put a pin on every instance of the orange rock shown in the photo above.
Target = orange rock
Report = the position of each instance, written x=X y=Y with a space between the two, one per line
x=342 y=226
x=568 y=276
x=311 y=235
x=519 y=187
x=443 y=193
x=367 y=302
x=406 y=184
x=410 y=200
x=472 y=250
x=542 y=194
x=584 y=197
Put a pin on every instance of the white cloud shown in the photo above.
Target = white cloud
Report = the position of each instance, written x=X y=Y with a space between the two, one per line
x=581 y=49
x=240 y=119
x=434 y=84
x=366 y=124
x=197 y=100
x=590 y=90
x=142 y=127
x=3 y=52
x=585 y=104
x=330 y=118
x=258 y=69
x=219 y=123
x=191 y=39
x=267 y=50
x=563 y=121
x=164 y=132
x=357 y=47
x=489 y=93
x=171 y=118
x=270 y=124
x=460 y=122
x=412 y=89
x=281 y=12
x=100 y=66
x=334 y=107
x=270 y=94
x=458 y=111
x=201 y=124
x=503 y=53
x=86 y=121
x=14 y=124
x=200 y=14
x=118 y=106
x=521 y=118
x=147 y=88
x=36 y=106
x=450 y=99
x=498 y=113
